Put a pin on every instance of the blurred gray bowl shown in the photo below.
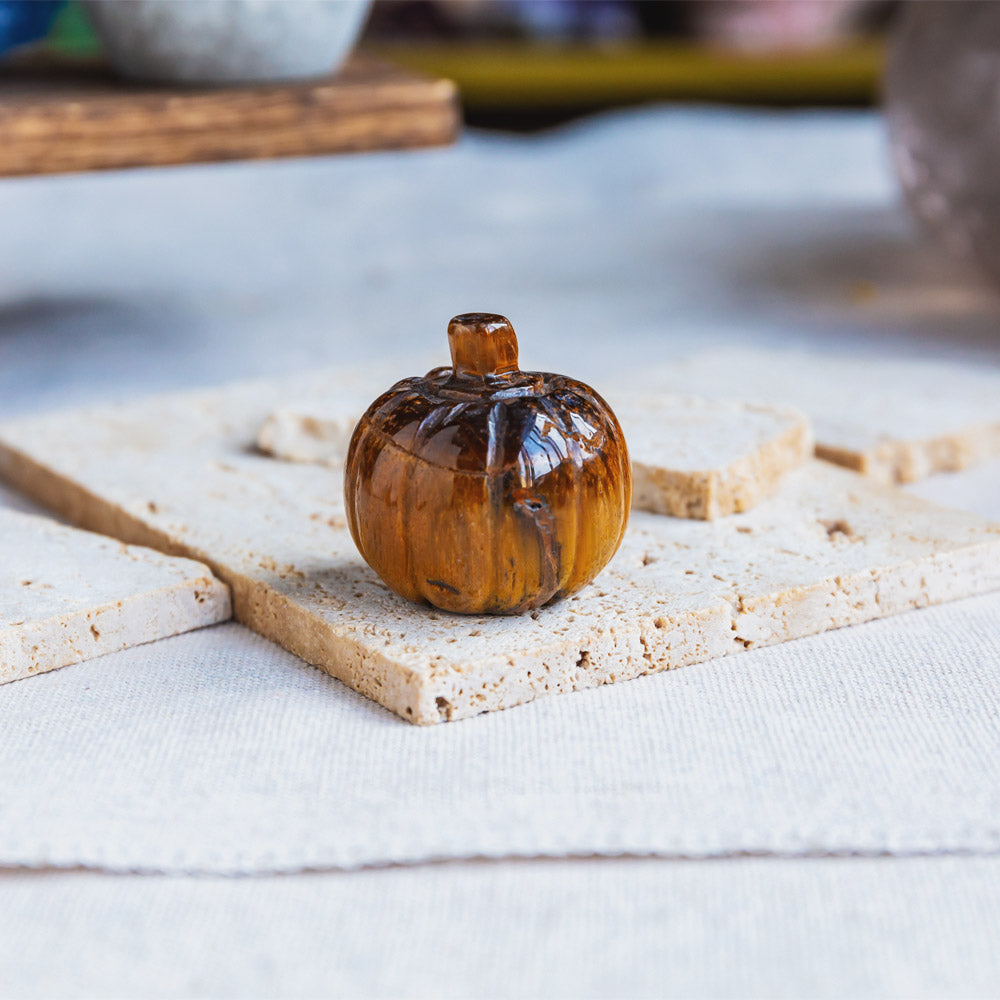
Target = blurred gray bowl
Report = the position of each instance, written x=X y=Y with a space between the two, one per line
x=226 y=41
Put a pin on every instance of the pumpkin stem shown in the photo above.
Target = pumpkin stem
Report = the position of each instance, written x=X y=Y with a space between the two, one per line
x=482 y=344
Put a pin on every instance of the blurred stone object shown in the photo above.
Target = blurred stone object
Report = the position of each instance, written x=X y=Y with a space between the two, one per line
x=942 y=99
x=741 y=25
x=544 y=21
x=767 y=25
x=594 y=20
x=226 y=41
x=25 y=21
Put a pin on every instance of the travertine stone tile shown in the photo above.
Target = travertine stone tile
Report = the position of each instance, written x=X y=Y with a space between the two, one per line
x=68 y=595
x=182 y=473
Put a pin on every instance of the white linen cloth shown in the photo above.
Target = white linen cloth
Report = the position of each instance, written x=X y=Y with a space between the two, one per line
x=219 y=752
x=621 y=239
x=743 y=927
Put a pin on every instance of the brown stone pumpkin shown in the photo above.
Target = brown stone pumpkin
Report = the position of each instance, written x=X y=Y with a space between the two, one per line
x=480 y=488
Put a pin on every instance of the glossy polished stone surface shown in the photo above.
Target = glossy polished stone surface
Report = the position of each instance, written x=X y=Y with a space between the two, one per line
x=480 y=488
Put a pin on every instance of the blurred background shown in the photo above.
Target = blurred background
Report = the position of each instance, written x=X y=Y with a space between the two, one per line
x=696 y=172
x=526 y=64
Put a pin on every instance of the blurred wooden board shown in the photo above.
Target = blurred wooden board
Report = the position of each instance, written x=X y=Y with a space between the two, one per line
x=60 y=116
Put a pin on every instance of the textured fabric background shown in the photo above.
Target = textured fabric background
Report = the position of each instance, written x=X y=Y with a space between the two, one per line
x=622 y=239
x=562 y=929
x=219 y=752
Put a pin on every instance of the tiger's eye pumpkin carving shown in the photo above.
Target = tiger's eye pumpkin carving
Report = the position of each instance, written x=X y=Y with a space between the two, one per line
x=480 y=488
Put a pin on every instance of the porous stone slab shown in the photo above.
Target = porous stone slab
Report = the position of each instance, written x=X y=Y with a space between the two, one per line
x=181 y=473
x=894 y=419
x=691 y=457
x=68 y=595
x=705 y=458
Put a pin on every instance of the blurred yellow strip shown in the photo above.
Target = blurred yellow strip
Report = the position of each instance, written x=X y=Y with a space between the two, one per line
x=494 y=76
